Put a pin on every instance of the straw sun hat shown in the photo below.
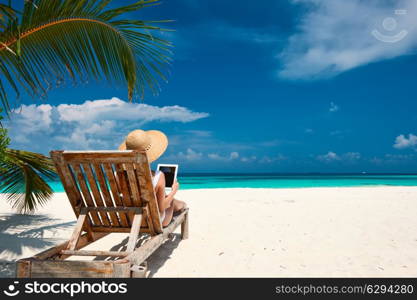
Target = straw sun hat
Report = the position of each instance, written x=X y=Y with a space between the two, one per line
x=154 y=142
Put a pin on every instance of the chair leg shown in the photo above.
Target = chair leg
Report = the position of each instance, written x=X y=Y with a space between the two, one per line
x=139 y=271
x=134 y=232
x=184 y=227
x=72 y=244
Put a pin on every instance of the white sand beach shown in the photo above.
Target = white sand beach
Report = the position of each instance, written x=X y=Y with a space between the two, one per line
x=311 y=232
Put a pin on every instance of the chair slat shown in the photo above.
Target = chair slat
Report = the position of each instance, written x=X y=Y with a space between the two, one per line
x=115 y=192
x=101 y=157
x=135 y=190
x=96 y=193
x=95 y=253
x=70 y=186
x=148 y=219
x=72 y=243
x=133 y=184
x=86 y=192
x=105 y=192
x=110 y=180
x=67 y=179
x=122 y=183
x=147 y=193
x=134 y=233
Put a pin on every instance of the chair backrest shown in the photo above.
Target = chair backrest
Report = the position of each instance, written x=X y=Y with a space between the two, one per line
x=111 y=179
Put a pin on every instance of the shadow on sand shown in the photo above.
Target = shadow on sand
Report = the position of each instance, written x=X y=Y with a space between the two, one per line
x=158 y=258
x=19 y=231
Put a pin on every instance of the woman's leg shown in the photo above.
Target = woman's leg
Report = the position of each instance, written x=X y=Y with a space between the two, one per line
x=168 y=215
x=178 y=205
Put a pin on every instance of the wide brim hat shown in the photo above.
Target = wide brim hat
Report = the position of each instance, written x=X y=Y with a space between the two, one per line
x=154 y=142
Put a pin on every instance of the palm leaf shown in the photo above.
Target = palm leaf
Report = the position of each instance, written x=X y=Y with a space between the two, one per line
x=23 y=176
x=6 y=13
x=55 y=40
x=4 y=140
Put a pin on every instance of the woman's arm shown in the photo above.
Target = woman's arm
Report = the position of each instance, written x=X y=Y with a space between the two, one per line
x=170 y=197
x=165 y=201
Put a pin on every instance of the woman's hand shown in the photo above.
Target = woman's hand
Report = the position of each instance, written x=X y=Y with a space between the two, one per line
x=175 y=186
x=170 y=197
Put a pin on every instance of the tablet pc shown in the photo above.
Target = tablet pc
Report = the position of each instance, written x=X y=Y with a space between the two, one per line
x=170 y=172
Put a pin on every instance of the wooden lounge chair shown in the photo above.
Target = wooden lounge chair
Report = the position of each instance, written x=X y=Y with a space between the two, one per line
x=109 y=191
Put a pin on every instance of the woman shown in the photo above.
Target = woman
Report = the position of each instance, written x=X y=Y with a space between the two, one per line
x=155 y=142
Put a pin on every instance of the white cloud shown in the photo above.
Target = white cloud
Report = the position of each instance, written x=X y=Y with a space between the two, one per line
x=190 y=155
x=98 y=124
x=37 y=118
x=402 y=142
x=234 y=155
x=333 y=107
x=331 y=156
x=230 y=157
x=352 y=155
x=246 y=159
x=393 y=159
x=121 y=110
x=215 y=156
x=399 y=156
x=336 y=35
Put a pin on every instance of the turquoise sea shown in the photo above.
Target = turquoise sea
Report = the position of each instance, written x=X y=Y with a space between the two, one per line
x=210 y=181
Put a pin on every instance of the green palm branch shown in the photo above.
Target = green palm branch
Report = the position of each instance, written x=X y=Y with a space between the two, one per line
x=23 y=176
x=6 y=13
x=50 y=41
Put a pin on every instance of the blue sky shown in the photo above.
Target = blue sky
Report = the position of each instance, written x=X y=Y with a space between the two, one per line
x=258 y=86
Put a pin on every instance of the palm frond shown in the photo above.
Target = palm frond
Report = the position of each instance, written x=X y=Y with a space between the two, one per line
x=23 y=176
x=4 y=140
x=60 y=39
x=6 y=13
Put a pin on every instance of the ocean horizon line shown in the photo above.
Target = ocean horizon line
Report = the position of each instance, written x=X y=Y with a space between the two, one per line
x=286 y=180
x=296 y=173
x=212 y=180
